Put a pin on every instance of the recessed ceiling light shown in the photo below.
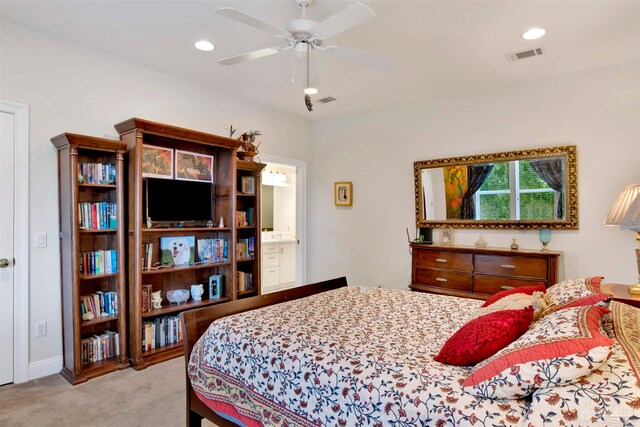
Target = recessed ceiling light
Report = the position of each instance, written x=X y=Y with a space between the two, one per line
x=311 y=91
x=534 y=33
x=204 y=45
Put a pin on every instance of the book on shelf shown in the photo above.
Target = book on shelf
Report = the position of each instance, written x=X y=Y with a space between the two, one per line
x=100 y=304
x=147 y=250
x=146 y=298
x=246 y=249
x=216 y=286
x=244 y=281
x=96 y=173
x=213 y=250
x=245 y=218
x=97 y=216
x=100 y=347
x=99 y=262
x=161 y=331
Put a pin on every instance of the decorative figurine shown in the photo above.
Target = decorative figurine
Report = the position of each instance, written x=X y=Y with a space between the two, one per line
x=514 y=245
x=221 y=223
x=156 y=299
x=481 y=243
x=196 y=292
x=209 y=224
x=149 y=223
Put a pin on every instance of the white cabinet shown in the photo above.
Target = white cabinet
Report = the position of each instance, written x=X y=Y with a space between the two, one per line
x=278 y=264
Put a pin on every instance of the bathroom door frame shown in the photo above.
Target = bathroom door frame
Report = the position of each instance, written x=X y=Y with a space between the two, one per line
x=301 y=211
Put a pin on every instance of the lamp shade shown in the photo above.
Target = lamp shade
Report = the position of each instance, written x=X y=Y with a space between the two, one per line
x=621 y=206
x=631 y=220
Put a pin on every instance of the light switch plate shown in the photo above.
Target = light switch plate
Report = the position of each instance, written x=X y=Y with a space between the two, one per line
x=41 y=240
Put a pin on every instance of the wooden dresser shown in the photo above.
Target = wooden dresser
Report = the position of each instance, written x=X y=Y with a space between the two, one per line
x=472 y=272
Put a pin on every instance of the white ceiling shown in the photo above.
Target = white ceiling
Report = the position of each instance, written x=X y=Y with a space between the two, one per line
x=441 y=48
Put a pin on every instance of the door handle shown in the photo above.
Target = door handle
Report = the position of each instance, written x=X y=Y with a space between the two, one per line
x=4 y=263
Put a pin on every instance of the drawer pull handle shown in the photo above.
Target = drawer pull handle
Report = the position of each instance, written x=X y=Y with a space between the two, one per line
x=441 y=279
x=272 y=271
x=506 y=287
x=272 y=257
x=441 y=260
x=508 y=266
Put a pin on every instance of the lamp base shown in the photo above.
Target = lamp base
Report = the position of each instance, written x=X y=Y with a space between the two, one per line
x=635 y=290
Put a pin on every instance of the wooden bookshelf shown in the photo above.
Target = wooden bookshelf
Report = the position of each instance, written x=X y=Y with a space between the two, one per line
x=249 y=264
x=74 y=150
x=136 y=133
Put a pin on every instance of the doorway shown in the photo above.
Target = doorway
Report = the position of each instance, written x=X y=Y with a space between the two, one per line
x=283 y=223
x=14 y=184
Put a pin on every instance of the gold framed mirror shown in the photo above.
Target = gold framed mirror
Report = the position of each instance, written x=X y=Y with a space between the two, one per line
x=524 y=189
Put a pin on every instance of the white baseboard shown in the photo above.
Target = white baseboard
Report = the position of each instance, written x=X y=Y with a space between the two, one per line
x=45 y=367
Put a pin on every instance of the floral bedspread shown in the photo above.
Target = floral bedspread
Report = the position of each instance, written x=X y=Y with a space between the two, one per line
x=300 y=364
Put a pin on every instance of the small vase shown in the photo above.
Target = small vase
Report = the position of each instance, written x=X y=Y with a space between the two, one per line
x=545 y=237
x=514 y=245
x=196 y=292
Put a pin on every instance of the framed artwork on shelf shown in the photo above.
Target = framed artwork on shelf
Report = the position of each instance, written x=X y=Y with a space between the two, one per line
x=343 y=193
x=177 y=250
x=447 y=237
x=194 y=166
x=248 y=185
x=157 y=162
x=215 y=285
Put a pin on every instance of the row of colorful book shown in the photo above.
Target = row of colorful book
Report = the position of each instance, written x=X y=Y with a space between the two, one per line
x=99 y=262
x=97 y=216
x=100 y=347
x=97 y=173
x=245 y=281
x=213 y=250
x=245 y=218
x=100 y=304
x=246 y=248
x=161 y=331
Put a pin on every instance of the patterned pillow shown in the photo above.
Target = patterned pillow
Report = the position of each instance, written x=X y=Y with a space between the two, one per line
x=482 y=337
x=626 y=327
x=559 y=349
x=515 y=302
x=574 y=293
x=528 y=290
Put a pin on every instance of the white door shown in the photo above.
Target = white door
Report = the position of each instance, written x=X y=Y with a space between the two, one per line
x=7 y=133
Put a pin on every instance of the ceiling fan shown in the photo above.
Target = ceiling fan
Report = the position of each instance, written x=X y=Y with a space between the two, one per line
x=304 y=35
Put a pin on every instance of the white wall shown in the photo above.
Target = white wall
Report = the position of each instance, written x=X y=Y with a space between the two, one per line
x=596 y=110
x=73 y=89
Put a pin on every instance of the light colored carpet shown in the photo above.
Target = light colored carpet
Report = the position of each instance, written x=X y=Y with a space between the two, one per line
x=151 y=397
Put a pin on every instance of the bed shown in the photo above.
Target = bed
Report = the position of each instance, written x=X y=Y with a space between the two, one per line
x=328 y=354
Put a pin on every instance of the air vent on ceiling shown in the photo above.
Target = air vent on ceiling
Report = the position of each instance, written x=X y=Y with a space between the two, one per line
x=517 y=56
x=326 y=100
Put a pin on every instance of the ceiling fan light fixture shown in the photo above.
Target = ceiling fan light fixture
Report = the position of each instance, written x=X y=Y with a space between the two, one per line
x=310 y=91
x=533 y=33
x=204 y=45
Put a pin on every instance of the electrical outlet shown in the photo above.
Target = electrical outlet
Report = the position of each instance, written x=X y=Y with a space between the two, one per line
x=41 y=328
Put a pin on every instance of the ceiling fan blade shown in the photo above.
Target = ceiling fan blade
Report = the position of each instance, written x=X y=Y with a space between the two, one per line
x=352 y=15
x=236 y=15
x=256 y=54
x=364 y=58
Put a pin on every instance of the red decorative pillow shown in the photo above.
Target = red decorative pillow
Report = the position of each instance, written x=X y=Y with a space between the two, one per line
x=529 y=290
x=482 y=337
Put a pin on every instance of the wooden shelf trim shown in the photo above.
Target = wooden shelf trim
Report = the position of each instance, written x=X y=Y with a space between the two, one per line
x=245 y=259
x=173 y=308
x=247 y=292
x=173 y=269
x=97 y=276
x=190 y=229
x=98 y=320
x=98 y=186
x=97 y=231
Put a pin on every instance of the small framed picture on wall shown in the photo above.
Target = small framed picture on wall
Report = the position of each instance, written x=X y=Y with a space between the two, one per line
x=343 y=193
x=248 y=185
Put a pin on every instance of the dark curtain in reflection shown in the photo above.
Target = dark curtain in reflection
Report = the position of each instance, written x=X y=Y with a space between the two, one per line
x=476 y=176
x=550 y=171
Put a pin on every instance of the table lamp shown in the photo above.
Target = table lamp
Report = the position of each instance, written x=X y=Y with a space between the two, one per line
x=625 y=212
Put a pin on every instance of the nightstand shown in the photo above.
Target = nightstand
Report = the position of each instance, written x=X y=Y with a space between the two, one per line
x=620 y=293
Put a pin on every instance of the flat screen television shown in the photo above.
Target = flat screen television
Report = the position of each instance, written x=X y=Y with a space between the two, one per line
x=175 y=201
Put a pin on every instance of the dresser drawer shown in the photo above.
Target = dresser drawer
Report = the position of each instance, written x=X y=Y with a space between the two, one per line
x=443 y=259
x=445 y=279
x=490 y=284
x=505 y=265
x=272 y=248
